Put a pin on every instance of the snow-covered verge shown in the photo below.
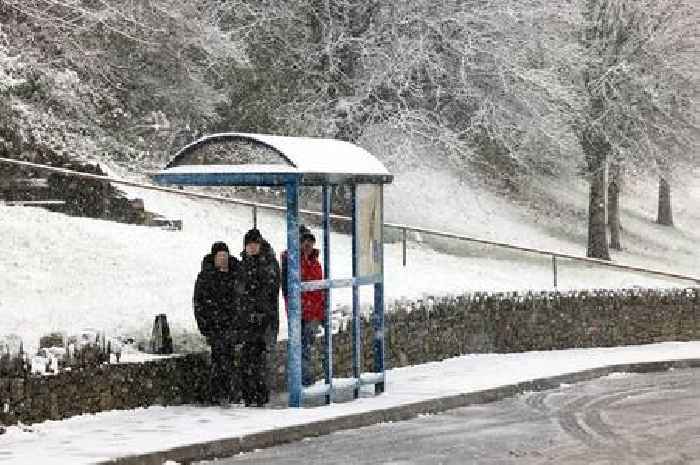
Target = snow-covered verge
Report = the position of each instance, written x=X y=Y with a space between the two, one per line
x=68 y=274
x=92 y=438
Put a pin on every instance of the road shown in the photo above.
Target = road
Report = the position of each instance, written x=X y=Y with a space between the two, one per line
x=635 y=419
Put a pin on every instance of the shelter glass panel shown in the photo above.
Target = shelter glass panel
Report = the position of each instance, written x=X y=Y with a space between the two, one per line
x=369 y=229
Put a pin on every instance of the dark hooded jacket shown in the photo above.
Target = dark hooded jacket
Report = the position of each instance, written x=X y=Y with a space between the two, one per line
x=217 y=299
x=261 y=283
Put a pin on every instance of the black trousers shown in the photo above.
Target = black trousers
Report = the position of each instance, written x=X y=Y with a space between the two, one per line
x=254 y=388
x=225 y=372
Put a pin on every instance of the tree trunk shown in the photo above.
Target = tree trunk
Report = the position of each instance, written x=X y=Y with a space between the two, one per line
x=597 y=229
x=665 y=215
x=614 y=208
x=596 y=149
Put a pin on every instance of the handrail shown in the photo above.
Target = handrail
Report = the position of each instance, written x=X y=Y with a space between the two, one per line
x=31 y=203
x=403 y=227
x=505 y=245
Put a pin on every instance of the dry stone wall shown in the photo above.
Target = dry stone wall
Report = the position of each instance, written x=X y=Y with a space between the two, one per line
x=416 y=332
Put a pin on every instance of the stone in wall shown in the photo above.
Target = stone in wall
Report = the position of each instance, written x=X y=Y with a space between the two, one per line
x=416 y=332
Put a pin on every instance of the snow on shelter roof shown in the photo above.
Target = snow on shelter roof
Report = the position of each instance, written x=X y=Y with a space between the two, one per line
x=315 y=161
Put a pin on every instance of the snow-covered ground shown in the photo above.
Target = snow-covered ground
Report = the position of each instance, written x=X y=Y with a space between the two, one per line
x=92 y=438
x=67 y=274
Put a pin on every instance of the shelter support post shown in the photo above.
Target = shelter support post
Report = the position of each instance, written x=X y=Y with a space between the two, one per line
x=293 y=298
x=328 y=321
x=378 y=316
x=356 y=330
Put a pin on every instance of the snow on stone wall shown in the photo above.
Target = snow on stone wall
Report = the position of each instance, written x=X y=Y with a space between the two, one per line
x=417 y=332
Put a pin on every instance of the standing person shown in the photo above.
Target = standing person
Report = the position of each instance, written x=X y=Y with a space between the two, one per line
x=216 y=310
x=312 y=302
x=260 y=305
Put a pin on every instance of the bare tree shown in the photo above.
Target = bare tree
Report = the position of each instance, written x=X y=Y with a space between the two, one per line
x=634 y=67
x=153 y=64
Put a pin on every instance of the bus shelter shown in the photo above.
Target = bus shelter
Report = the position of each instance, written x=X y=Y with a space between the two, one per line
x=237 y=159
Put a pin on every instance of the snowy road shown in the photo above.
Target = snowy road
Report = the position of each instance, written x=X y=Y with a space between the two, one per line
x=620 y=419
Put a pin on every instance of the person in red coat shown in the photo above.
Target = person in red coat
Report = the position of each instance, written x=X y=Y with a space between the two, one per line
x=313 y=303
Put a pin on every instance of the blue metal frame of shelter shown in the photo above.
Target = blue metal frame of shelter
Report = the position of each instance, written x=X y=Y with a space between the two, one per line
x=293 y=298
x=328 y=326
x=356 y=321
x=292 y=181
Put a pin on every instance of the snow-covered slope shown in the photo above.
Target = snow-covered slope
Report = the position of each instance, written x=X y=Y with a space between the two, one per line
x=65 y=274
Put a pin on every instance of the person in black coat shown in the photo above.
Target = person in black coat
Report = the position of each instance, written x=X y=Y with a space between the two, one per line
x=260 y=303
x=216 y=304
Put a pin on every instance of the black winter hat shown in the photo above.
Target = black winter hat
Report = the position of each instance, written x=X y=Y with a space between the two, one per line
x=252 y=236
x=307 y=236
x=218 y=247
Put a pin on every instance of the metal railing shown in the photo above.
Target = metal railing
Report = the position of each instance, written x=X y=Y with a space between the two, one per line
x=404 y=228
x=31 y=203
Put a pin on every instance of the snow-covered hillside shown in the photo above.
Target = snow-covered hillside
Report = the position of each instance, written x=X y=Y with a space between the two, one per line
x=65 y=274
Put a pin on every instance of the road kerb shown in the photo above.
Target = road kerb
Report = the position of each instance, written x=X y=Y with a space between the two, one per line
x=223 y=448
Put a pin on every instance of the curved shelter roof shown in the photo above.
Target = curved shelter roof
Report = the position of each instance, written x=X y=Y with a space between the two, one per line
x=260 y=159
